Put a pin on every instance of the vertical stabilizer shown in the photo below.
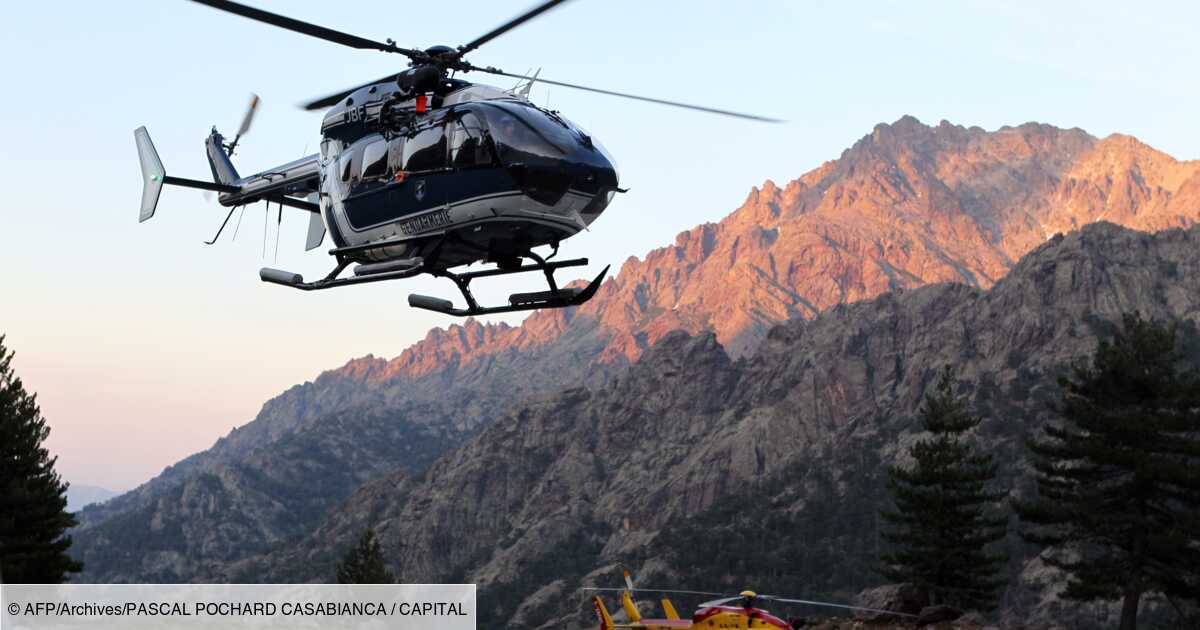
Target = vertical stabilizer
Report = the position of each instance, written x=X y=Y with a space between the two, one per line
x=223 y=171
x=152 y=173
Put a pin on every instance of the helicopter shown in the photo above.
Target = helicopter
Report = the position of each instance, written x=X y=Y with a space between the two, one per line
x=422 y=172
x=728 y=611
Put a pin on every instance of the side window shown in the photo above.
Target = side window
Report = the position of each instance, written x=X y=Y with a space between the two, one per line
x=467 y=145
x=425 y=151
x=345 y=165
x=374 y=160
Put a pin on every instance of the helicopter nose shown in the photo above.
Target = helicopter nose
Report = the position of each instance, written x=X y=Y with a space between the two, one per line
x=585 y=170
x=599 y=173
x=597 y=179
x=599 y=202
x=605 y=182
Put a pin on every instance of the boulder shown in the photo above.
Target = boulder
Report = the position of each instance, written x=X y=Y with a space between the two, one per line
x=938 y=614
x=902 y=598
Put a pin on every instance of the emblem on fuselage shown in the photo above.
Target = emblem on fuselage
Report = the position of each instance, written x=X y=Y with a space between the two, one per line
x=420 y=190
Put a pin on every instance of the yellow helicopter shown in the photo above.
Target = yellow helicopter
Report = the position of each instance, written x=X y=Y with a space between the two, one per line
x=736 y=611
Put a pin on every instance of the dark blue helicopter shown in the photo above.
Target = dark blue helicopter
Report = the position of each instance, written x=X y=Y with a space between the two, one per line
x=420 y=172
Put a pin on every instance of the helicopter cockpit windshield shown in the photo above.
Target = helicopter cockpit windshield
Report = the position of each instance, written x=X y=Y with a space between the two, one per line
x=521 y=132
x=545 y=153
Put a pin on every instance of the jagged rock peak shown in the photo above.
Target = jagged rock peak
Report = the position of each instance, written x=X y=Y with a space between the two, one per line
x=362 y=368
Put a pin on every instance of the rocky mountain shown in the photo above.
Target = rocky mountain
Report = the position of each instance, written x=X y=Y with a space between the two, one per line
x=906 y=206
x=677 y=467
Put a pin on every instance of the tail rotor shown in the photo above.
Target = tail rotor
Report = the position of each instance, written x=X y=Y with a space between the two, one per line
x=246 y=120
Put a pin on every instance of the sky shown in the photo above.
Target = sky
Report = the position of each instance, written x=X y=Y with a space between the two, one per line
x=144 y=345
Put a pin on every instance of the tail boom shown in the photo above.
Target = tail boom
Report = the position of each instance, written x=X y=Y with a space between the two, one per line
x=281 y=184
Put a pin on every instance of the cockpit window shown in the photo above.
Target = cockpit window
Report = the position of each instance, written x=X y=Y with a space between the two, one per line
x=521 y=132
x=374 y=161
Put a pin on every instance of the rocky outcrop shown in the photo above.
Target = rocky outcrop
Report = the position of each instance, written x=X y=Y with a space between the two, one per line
x=906 y=206
x=906 y=599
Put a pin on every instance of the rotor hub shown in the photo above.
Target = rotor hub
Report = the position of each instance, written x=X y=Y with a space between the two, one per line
x=439 y=51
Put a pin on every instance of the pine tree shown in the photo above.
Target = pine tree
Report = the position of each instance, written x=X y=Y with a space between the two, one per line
x=363 y=564
x=1118 y=479
x=945 y=516
x=33 y=502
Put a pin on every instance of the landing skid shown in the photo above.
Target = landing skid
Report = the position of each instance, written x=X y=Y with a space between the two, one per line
x=394 y=270
x=296 y=281
x=554 y=298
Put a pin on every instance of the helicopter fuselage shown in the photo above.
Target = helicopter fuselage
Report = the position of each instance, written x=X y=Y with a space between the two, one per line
x=474 y=173
x=736 y=617
x=420 y=174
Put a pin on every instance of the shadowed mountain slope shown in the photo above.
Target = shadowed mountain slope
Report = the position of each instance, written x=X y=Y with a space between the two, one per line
x=806 y=424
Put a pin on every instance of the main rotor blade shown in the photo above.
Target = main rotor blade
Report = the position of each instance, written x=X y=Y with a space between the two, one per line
x=507 y=26
x=773 y=598
x=718 y=602
x=699 y=108
x=326 y=101
x=306 y=28
x=647 y=590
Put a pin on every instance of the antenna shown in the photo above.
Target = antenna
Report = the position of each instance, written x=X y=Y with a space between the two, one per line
x=278 y=230
x=266 y=211
x=529 y=86
x=239 y=223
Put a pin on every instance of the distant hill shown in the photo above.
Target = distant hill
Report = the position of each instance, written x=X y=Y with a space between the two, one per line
x=906 y=206
x=79 y=496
